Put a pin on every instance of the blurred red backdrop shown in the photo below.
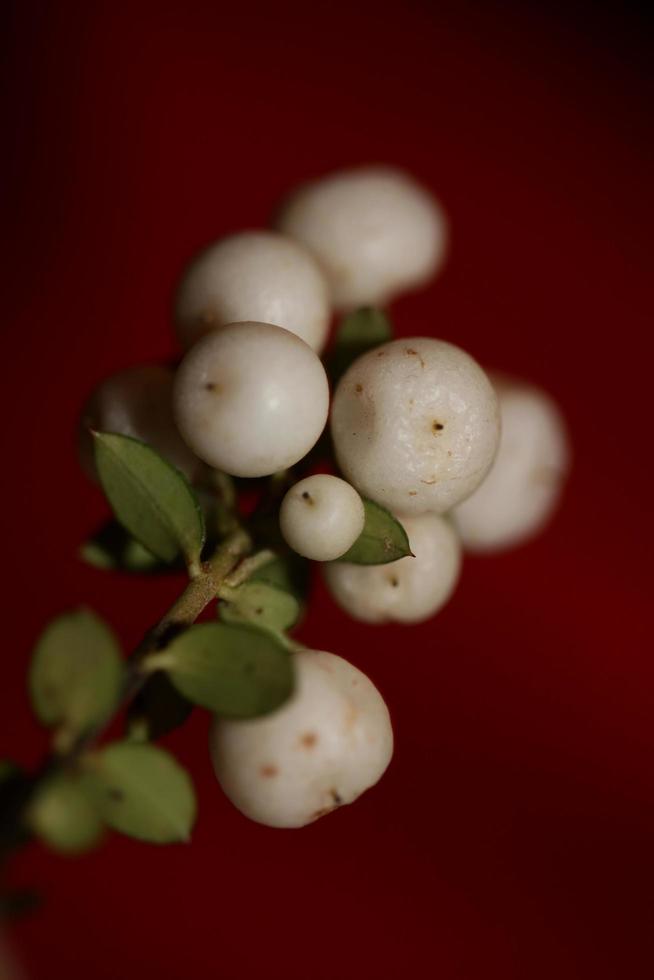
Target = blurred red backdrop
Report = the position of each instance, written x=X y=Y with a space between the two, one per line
x=512 y=835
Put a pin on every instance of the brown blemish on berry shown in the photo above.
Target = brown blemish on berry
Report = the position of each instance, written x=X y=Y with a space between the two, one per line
x=307 y=496
x=322 y=813
x=308 y=740
x=268 y=772
x=358 y=388
x=429 y=483
x=413 y=493
x=337 y=798
x=351 y=715
x=212 y=386
x=414 y=353
x=381 y=353
x=394 y=581
x=437 y=426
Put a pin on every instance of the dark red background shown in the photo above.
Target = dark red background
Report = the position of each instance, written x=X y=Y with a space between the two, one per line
x=512 y=835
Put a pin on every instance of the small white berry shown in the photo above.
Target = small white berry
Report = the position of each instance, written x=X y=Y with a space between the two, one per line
x=374 y=230
x=255 y=275
x=524 y=484
x=406 y=591
x=137 y=402
x=251 y=399
x=330 y=742
x=321 y=517
x=415 y=425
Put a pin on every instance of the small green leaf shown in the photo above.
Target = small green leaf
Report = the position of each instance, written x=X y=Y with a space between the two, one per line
x=114 y=548
x=63 y=816
x=150 y=498
x=236 y=671
x=262 y=604
x=157 y=709
x=382 y=540
x=76 y=672
x=357 y=333
x=143 y=792
x=290 y=573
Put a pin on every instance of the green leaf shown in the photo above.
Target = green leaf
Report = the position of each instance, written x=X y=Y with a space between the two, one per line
x=382 y=540
x=157 y=710
x=290 y=573
x=114 y=548
x=235 y=671
x=63 y=816
x=143 y=792
x=76 y=672
x=150 y=498
x=260 y=603
x=357 y=333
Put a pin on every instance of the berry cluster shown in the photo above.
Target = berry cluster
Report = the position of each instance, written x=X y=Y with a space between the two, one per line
x=433 y=456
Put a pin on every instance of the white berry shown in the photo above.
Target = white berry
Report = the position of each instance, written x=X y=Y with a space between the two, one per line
x=415 y=425
x=321 y=517
x=255 y=275
x=406 y=591
x=251 y=399
x=137 y=402
x=524 y=484
x=374 y=230
x=330 y=742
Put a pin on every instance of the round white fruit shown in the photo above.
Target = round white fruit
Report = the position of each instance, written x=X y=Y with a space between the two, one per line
x=251 y=399
x=321 y=517
x=255 y=275
x=406 y=591
x=330 y=742
x=415 y=425
x=137 y=402
x=524 y=484
x=374 y=230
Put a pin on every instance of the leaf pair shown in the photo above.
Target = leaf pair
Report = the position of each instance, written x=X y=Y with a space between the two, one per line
x=139 y=790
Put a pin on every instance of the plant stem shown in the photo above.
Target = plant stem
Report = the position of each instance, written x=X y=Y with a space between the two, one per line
x=197 y=595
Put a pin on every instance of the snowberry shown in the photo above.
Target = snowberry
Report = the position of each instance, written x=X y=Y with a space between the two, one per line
x=321 y=517
x=251 y=398
x=330 y=742
x=415 y=425
x=255 y=275
x=406 y=591
x=137 y=402
x=375 y=231
x=525 y=481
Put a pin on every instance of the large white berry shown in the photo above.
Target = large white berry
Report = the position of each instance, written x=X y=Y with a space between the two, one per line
x=321 y=517
x=137 y=402
x=251 y=398
x=254 y=275
x=415 y=425
x=406 y=591
x=525 y=481
x=330 y=742
x=375 y=231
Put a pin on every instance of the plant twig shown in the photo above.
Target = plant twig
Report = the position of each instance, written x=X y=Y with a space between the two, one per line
x=183 y=613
